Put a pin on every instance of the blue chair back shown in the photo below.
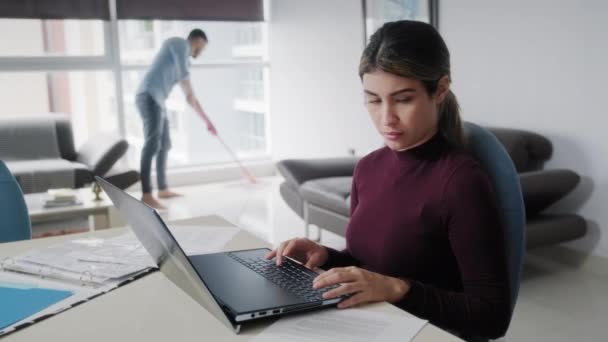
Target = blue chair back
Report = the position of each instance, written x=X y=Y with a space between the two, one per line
x=493 y=157
x=14 y=218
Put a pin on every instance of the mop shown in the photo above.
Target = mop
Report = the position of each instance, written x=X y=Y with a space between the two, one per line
x=244 y=171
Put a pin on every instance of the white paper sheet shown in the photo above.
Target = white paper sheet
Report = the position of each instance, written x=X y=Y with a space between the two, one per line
x=101 y=260
x=334 y=325
x=94 y=259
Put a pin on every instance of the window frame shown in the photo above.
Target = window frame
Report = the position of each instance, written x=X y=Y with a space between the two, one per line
x=111 y=62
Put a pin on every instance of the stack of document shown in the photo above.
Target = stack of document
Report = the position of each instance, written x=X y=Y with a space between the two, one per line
x=46 y=281
x=99 y=262
x=94 y=262
x=61 y=198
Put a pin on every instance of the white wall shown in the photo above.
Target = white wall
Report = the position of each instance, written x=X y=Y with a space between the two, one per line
x=316 y=103
x=542 y=66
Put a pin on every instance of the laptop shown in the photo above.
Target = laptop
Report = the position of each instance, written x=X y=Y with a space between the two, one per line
x=236 y=286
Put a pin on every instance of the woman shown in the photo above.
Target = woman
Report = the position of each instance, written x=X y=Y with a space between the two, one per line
x=424 y=232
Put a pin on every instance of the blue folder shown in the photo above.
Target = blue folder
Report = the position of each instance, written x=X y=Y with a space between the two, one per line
x=19 y=302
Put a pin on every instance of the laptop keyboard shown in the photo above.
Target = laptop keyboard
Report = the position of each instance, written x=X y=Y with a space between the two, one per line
x=288 y=276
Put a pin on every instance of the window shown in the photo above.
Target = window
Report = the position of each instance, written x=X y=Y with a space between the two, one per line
x=51 y=38
x=252 y=125
x=228 y=41
x=88 y=97
x=379 y=12
x=71 y=66
x=59 y=66
x=229 y=79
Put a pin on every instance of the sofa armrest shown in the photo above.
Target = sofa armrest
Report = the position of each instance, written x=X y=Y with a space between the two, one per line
x=298 y=171
x=528 y=150
x=541 y=189
x=101 y=152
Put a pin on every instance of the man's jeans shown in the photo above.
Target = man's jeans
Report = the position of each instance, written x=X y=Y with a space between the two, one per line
x=157 y=141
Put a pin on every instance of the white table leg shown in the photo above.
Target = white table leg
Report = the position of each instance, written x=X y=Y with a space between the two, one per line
x=99 y=221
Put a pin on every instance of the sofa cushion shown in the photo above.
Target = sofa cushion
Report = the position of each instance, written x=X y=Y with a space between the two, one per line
x=43 y=174
x=332 y=193
x=541 y=189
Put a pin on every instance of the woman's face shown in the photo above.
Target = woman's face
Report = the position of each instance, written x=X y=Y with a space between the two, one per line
x=401 y=109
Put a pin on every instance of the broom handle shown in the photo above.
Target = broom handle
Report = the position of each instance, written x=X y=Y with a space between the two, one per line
x=234 y=157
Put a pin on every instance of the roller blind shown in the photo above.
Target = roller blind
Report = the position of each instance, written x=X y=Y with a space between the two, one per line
x=214 y=10
x=55 y=9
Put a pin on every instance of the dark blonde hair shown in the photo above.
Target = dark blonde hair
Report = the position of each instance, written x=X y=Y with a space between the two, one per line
x=416 y=50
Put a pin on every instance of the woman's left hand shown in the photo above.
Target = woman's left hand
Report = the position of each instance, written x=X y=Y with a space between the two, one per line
x=364 y=286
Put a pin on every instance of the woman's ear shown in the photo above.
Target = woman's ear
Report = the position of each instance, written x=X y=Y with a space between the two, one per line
x=443 y=88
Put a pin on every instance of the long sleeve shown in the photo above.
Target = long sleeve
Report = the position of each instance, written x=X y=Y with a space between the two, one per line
x=344 y=258
x=475 y=237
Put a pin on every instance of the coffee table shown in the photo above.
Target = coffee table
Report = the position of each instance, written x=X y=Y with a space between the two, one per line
x=98 y=212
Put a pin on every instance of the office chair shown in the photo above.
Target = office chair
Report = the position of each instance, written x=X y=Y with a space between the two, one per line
x=14 y=218
x=493 y=157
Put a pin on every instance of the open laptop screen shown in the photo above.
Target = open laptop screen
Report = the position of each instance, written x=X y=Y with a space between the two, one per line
x=156 y=238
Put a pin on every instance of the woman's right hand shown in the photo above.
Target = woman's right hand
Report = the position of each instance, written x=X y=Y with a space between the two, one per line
x=306 y=251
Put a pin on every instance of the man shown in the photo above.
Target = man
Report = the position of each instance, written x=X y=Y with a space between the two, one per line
x=170 y=66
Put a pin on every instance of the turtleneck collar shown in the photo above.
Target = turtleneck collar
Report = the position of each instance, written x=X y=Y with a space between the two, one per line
x=430 y=149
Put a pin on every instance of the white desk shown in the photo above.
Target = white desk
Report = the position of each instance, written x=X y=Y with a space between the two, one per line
x=152 y=308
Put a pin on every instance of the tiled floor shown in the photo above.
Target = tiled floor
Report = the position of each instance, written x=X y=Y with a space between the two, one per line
x=258 y=208
x=557 y=302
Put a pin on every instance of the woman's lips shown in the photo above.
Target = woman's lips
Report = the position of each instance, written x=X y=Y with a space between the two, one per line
x=392 y=135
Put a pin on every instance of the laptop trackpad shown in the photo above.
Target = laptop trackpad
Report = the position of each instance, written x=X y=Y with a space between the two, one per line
x=240 y=288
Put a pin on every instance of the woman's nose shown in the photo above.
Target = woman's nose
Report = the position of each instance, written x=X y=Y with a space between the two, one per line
x=388 y=115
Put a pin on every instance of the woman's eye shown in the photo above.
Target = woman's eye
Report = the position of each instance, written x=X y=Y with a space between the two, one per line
x=373 y=101
x=404 y=100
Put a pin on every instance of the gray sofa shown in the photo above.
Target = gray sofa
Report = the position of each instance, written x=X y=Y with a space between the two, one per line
x=318 y=190
x=39 y=150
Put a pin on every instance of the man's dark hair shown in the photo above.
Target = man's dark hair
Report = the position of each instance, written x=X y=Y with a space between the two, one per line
x=197 y=33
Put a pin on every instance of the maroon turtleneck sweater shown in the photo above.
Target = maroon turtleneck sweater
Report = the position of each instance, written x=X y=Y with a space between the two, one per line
x=429 y=215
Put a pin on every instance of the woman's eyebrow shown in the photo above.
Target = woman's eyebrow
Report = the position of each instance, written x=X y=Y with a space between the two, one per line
x=400 y=91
